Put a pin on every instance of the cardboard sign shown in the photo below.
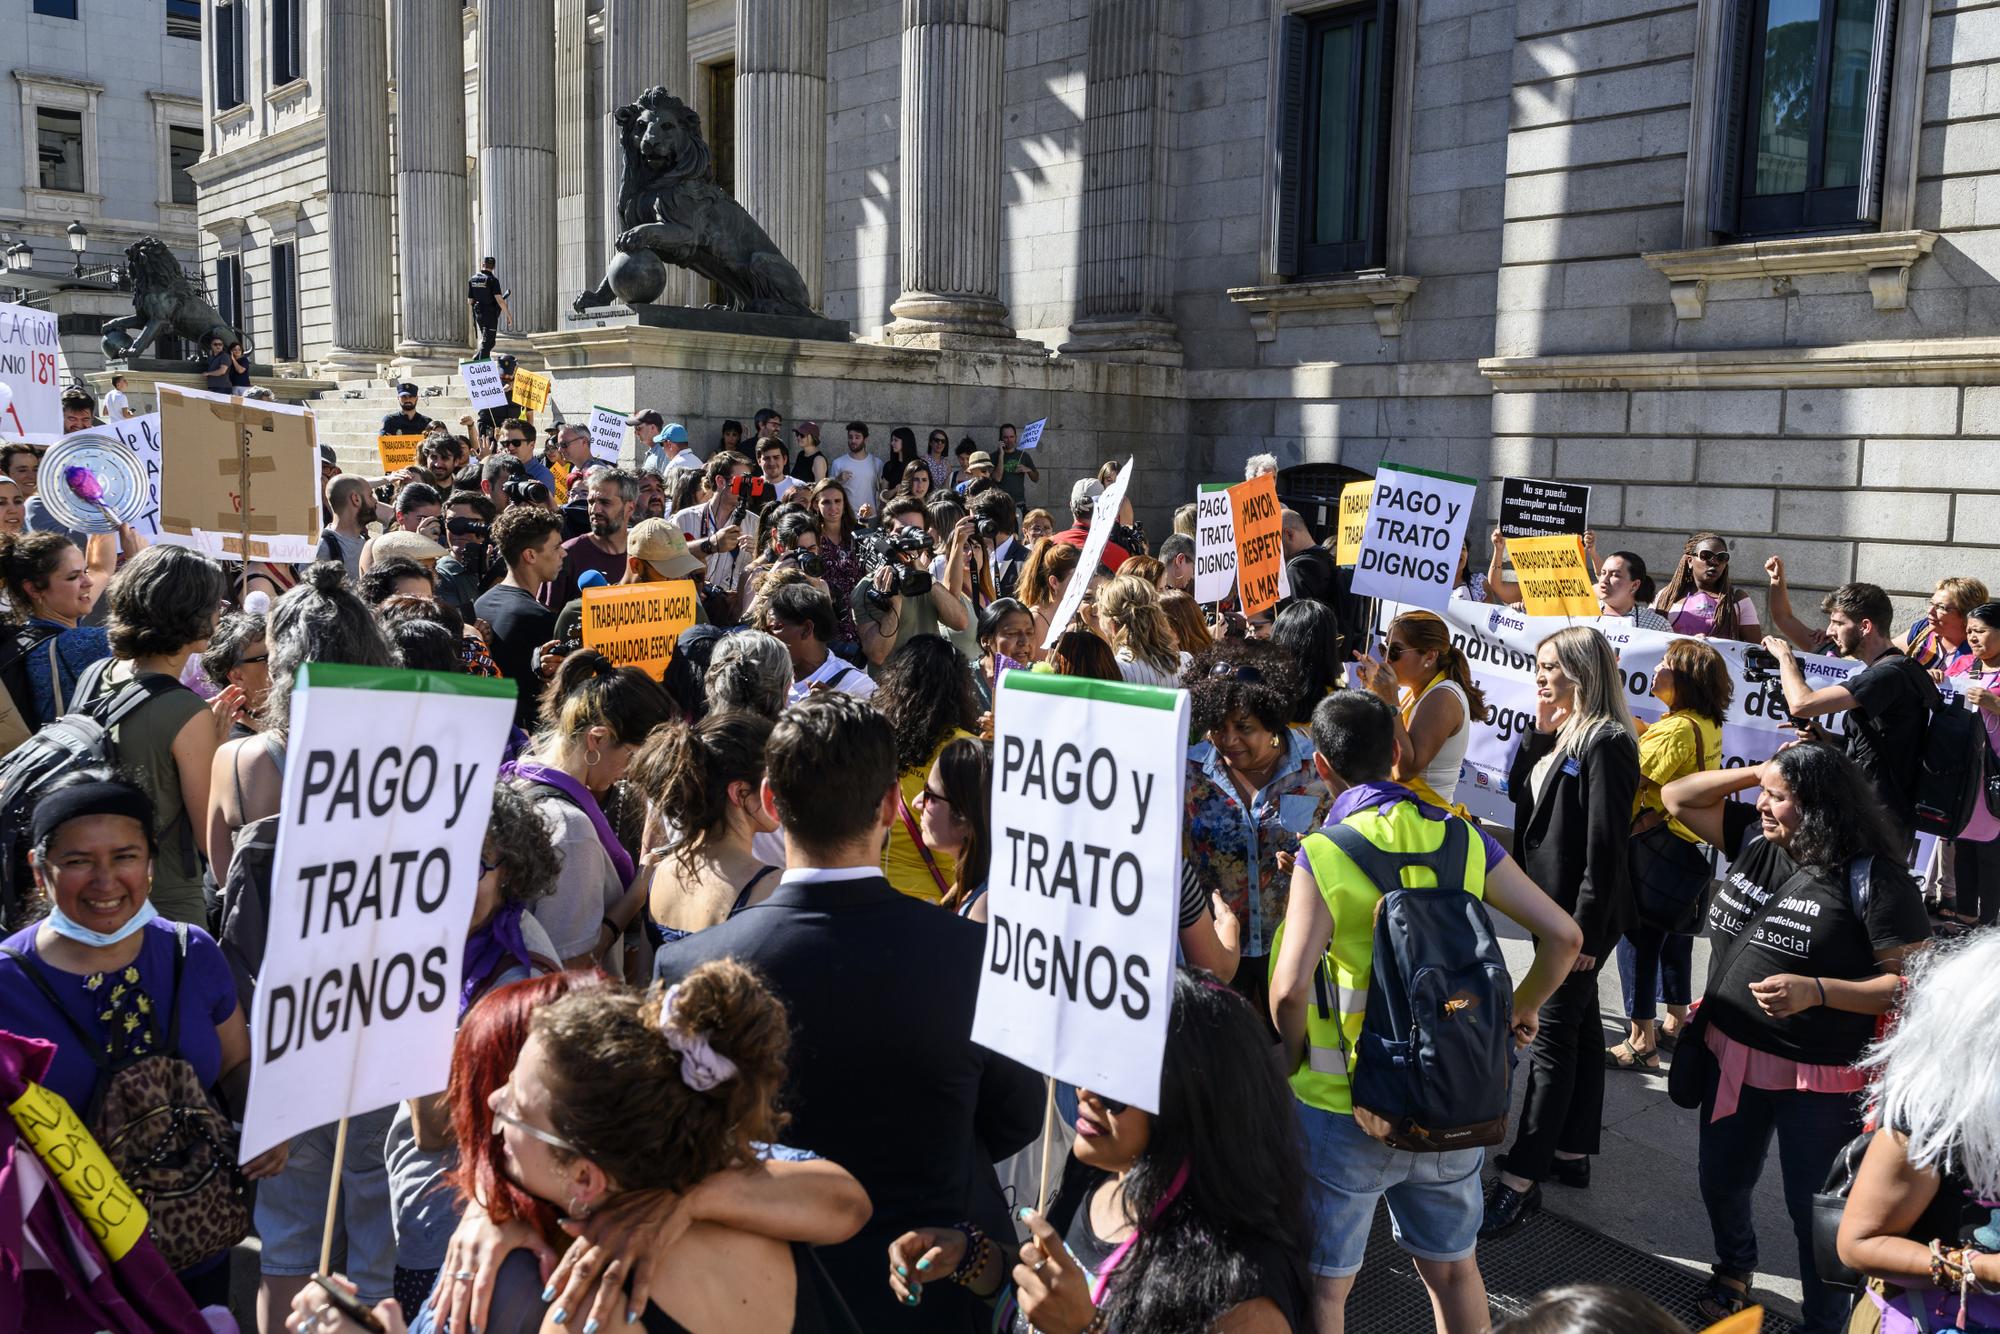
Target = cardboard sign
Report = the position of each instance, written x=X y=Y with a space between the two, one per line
x=635 y=625
x=31 y=405
x=141 y=435
x=397 y=451
x=1352 y=521
x=1214 y=544
x=235 y=467
x=1416 y=527
x=607 y=435
x=1553 y=577
x=1530 y=507
x=50 y=1126
x=482 y=384
x=1031 y=434
x=1084 y=891
x=388 y=788
x=1261 y=579
x=1103 y=515
x=531 y=390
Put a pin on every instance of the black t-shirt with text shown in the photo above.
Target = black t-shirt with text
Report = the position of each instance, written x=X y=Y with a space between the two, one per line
x=1894 y=696
x=483 y=290
x=1769 y=915
x=520 y=626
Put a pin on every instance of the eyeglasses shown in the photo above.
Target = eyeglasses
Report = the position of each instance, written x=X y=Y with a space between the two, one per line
x=1713 y=557
x=261 y=657
x=486 y=868
x=931 y=794
x=1938 y=609
x=1110 y=1105
x=503 y=1115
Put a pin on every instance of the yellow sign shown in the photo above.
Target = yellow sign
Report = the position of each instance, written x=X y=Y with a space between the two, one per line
x=635 y=625
x=531 y=390
x=1260 y=542
x=398 y=451
x=1554 y=580
x=107 y=1205
x=1352 y=521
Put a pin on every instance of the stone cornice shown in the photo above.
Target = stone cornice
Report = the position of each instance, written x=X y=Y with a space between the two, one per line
x=279 y=143
x=1940 y=361
x=1885 y=257
x=1386 y=294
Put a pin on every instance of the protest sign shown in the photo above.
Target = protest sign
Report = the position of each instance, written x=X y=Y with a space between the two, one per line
x=1102 y=517
x=1031 y=434
x=1553 y=578
x=1214 y=544
x=1083 y=902
x=239 y=473
x=607 y=435
x=141 y=435
x=1416 y=526
x=32 y=411
x=388 y=786
x=397 y=451
x=482 y=384
x=1530 y=507
x=108 y=1207
x=635 y=625
x=1261 y=578
x=531 y=390
x=1352 y=522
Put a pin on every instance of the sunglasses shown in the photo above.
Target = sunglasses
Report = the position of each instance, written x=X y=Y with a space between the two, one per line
x=1395 y=651
x=1111 y=1105
x=931 y=794
x=261 y=657
x=1713 y=557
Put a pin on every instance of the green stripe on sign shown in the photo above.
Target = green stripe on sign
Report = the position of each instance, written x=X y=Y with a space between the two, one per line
x=346 y=676
x=1427 y=472
x=1083 y=687
x=1207 y=488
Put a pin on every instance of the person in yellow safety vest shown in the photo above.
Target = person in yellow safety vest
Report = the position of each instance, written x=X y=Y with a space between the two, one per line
x=1434 y=1198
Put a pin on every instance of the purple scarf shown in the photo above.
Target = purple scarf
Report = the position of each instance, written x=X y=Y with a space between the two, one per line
x=500 y=938
x=548 y=776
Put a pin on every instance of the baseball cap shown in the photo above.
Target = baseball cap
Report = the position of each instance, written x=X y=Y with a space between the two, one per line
x=675 y=434
x=807 y=428
x=328 y=457
x=647 y=418
x=662 y=545
x=978 y=459
x=407 y=545
x=1085 y=491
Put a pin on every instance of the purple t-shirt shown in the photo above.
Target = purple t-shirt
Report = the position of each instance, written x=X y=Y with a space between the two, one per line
x=207 y=997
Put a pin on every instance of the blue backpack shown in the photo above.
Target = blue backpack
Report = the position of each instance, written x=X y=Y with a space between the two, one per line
x=1433 y=1067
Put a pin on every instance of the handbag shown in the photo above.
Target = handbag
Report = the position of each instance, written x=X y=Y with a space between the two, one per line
x=1828 y=1202
x=1992 y=783
x=1687 y=1077
x=1670 y=876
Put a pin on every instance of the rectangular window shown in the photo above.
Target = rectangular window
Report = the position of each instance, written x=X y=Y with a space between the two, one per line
x=184 y=19
x=1334 y=159
x=183 y=151
x=229 y=290
x=56 y=9
x=1807 y=105
x=59 y=144
x=287 y=42
x=285 y=302
x=229 y=62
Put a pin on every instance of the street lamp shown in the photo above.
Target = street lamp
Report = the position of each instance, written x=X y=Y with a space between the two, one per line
x=20 y=257
x=79 y=237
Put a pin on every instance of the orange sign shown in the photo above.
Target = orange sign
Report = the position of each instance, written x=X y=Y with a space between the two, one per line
x=398 y=451
x=1260 y=544
x=531 y=390
x=1355 y=498
x=635 y=625
x=1553 y=578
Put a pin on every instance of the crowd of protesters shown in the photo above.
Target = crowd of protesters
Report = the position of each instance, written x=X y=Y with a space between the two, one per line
x=713 y=1066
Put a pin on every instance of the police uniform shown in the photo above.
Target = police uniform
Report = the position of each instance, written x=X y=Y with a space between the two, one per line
x=484 y=292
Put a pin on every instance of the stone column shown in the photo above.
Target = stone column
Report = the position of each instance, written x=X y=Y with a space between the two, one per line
x=952 y=58
x=1128 y=145
x=781 y=128
x=517 y=153
x=578 y=264
x=434 y=256
x=645 y=44
x=359 y=245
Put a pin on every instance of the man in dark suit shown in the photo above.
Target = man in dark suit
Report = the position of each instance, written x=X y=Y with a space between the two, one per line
x=996 y=509
x=885 y=1079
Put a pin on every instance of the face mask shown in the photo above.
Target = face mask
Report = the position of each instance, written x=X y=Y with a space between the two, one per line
x=60 y=923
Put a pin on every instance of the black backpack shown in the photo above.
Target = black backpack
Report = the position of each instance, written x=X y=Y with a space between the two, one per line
x=1951 y=771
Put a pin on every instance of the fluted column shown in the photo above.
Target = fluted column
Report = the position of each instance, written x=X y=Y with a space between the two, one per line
x=358 y=183
x=1128 y=144
x=645 y=44
x=434 y=253
x=578 y=263
x=781 y=128
x=952 y=59
x=517 y=153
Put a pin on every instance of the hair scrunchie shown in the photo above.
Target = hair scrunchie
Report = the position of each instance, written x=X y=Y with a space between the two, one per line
x=702 y=1066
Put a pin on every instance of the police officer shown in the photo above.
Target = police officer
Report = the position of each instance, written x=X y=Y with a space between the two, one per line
x=489 y=305
x=408 y=421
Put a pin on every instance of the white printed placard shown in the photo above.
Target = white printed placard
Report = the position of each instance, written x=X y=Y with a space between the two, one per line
x=1102 y=517
x=1416 y=526
x=31 y=407
x=388 y=790
x=482 y=384
x=1083 y=898
x=141 y=435
x=1214 y=545
x=607 y=435
x=1031 y=434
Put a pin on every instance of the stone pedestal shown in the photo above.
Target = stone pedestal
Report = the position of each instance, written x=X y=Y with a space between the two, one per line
x=358 y=202
x=781 y=128
x=517 y=153
x=432 y=206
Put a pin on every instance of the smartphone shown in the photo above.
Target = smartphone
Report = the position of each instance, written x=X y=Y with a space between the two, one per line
x=349 y=1306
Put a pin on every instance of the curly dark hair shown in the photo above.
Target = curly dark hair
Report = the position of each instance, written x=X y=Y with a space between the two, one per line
x=165 y=599
x=1841 y=817
x=926 y=693
x=1248 y=674
x=529 y=863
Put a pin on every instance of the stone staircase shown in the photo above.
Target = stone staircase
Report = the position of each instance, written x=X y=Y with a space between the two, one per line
x=349 y=416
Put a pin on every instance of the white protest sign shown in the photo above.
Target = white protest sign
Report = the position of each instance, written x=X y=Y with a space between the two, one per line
x=1084 y=891
x=1416 y=525
x=1214 y=545
x=607 y=435
x=482 y=384
x=28 y=372
x=141 y=435
x=1031 y=434
x=388 y=789
x=1102 y=517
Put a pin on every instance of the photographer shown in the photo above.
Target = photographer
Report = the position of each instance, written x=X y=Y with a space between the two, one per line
x=999 y=526
x=795 y=545
x=901 y=600
x=718 y=529
x=464 y=574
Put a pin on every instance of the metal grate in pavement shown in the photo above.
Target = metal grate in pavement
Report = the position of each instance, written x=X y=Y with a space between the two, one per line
x=1543 y=1253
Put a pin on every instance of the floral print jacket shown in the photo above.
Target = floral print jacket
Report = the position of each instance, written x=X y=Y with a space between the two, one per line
x=1234 y=851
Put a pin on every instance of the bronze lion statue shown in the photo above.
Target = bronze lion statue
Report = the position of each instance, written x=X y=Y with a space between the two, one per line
x=670 y=206
x=165 y=303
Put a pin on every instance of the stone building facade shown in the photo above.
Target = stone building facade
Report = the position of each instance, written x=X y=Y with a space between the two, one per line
x=1736 y=262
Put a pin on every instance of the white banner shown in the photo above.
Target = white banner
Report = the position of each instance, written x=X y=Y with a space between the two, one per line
x=1084 y=893
x=387 y=794
x=32 y=410
x=1102 y=517
x=1214 y=546
x=141 y=435
x=607 y=435
x=482 y=384
x=1416 y=525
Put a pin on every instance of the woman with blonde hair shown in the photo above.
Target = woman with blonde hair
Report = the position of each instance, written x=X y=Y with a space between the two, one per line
x=1428 y=681
x=1573 y=780
x=1937 y=638
x=1184 y=615
x=1142 y=639
x=1043 y=580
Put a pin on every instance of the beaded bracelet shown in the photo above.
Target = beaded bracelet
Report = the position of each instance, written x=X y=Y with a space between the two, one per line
x=978 y=1249
x=1099 y=1323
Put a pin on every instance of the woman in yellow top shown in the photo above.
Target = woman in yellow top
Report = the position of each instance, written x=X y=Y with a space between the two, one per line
x=1428 y=681
x=1694 y=683
x=925 y=690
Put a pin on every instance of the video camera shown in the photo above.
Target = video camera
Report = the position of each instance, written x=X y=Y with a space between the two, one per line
x=912 y=581
x=1760 y=665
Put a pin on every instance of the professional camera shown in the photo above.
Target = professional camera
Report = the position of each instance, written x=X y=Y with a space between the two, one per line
x=985 y=530
x=912 y=581
x=1759 y=665
x=900 y=541
x=526 y=491
x=807 y=563
x=460 y=526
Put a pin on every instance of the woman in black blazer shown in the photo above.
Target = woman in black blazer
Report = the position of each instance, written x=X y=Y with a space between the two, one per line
x=1573 y=782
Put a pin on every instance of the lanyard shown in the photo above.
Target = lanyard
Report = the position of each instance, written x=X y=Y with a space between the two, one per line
x=1103 y=1282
